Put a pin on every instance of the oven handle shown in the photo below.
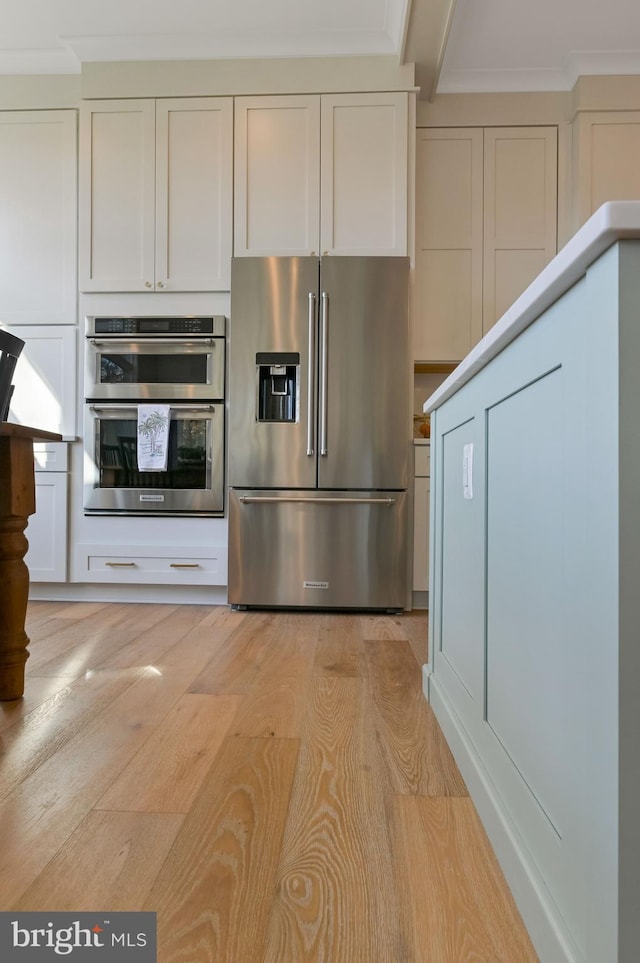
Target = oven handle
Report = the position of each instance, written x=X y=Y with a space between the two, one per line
x=132 y=407
x=142 y=340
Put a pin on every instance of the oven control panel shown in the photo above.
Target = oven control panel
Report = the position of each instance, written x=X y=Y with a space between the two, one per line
x=179 y=326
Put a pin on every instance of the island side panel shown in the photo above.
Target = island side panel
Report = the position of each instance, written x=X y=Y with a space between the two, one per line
x=533 y=743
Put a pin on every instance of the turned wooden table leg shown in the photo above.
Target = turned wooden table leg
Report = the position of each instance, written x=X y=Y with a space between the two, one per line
x=17 y=502
x=14 y=594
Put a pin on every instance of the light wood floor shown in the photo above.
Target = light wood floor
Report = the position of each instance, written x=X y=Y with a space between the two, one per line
x=273 y=785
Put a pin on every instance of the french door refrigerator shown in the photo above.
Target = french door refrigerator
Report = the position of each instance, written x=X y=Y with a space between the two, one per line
x=318 y=438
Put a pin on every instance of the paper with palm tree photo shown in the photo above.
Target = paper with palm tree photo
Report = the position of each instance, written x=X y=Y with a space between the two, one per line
x=153 y=437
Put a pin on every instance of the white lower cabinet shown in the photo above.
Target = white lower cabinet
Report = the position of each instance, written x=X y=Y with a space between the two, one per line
x=421 y=489
x=152 y=564
x=46 y=531
x=45 y=382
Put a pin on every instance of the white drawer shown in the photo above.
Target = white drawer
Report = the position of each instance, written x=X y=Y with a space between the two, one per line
x=51 y=455
x=422 y=455
x=154 y=566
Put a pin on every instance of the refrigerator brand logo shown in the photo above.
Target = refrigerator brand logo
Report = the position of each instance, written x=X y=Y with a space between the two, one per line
x=315 y=585
x=48 y=936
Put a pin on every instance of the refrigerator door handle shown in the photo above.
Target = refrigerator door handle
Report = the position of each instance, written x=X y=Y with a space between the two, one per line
x=324 y=401
x=314 y=500
x=311 y=385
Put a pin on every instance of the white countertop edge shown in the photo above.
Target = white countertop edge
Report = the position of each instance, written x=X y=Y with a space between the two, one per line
x=614 y=221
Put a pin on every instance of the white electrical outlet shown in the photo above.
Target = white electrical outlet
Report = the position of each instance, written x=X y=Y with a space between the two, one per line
x=467 y=471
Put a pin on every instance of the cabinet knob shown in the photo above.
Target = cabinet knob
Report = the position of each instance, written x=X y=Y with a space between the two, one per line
x=148 y=284
x=161 y=284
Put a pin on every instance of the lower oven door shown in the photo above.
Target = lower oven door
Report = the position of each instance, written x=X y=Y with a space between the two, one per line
x=193 y=483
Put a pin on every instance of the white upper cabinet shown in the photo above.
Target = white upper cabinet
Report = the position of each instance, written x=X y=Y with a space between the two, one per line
x=321 y=174
x=363 y=195
x=277 y=175
x=449 y=208
x=486 y=225
x=606 y=158
x=38 y=217
x=194 y=194
x=117 y=196
x=520 y=212
x=156 y=195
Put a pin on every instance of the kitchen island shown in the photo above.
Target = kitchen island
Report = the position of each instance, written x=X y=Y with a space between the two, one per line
x=17 y=502
x=534 y=669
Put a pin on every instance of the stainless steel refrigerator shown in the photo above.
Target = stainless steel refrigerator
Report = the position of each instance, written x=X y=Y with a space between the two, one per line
x=318 y=432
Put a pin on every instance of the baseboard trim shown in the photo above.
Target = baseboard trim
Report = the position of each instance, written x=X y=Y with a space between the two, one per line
x=118 y=592
x=420 y=600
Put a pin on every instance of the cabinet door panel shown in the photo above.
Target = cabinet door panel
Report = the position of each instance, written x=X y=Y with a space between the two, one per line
x=277 y=175
x=38 y=217
x=607 y=155
x=520 y=219
x=513 y=272
x=45 y=378
x=194 y=194
x=421 y=535
x=364 y=174
x=448 y=305
x=117 y=177
x=46 y=531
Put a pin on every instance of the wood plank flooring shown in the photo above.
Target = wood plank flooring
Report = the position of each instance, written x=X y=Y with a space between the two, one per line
x=273 y=785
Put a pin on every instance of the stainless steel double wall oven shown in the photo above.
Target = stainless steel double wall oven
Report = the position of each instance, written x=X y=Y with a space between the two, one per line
x=177 y=361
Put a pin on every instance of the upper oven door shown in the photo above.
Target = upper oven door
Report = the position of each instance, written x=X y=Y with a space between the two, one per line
x=155 y=368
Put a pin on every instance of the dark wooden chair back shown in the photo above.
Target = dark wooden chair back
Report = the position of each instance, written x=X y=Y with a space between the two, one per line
x=10 y=348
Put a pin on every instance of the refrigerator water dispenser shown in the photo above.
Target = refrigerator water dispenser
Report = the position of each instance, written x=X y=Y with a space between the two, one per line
x=278 y=382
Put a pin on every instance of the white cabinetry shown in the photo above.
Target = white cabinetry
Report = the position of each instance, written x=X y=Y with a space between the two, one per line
x=607 y=148
x=156 y=195
x=277 y=175
x=46 y=532
x=321 y=174
x=45 y=396
x=449 y=210
x=520 y=212
x=38 y=217
x=45 y=378
x=151 y=564
x=363 y=192
x=421 y=491
x=486 y=224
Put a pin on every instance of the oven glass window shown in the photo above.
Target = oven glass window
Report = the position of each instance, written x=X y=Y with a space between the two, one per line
x=186 y=461
x=122 y=368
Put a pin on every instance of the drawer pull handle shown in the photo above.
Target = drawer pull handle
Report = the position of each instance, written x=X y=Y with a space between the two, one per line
x=184 y=565
x=120 y=564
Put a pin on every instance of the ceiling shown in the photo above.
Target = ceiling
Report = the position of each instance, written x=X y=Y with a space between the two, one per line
x=457 y=45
